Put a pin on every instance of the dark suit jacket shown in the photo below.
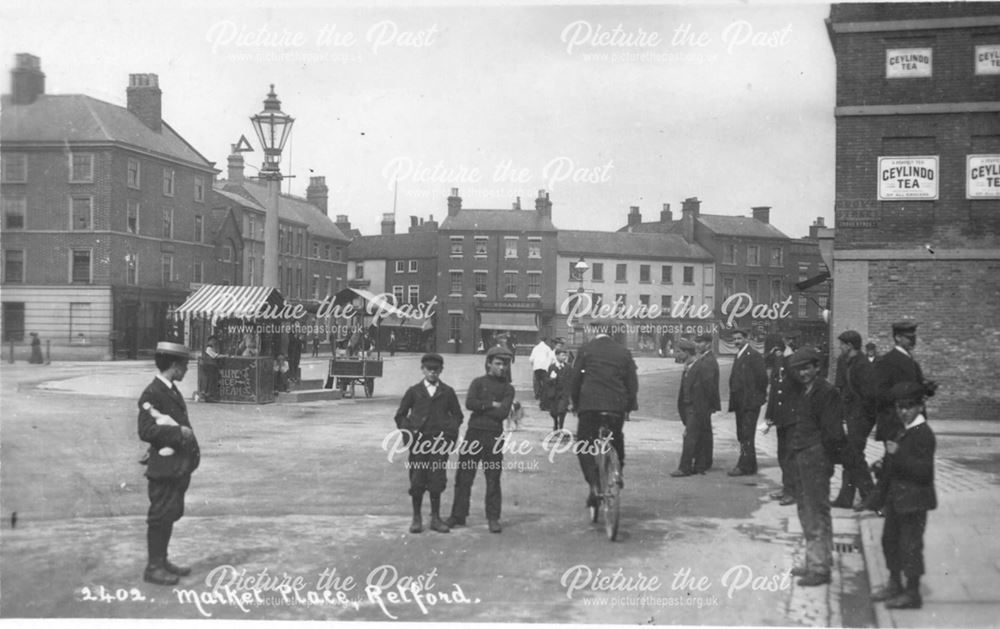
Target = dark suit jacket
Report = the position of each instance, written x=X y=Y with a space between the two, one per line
x=604 y=378
x=784 y=397
x=889 y=370
x=911 y=471
x=748 y=381
x=187 y=455
x=700 y=387
x=438 y=415
x=556 y=388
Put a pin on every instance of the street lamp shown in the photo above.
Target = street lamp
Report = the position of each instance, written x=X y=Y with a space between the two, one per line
x=273 y=127
x=580 y=267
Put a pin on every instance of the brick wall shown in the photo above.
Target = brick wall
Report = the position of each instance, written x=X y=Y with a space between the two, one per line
x=955 y=303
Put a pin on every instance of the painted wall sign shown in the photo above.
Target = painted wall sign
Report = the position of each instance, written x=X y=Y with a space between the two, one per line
x=908 y=178
x=857 y=213
x=907 y=63
x=988 y=59
x=982 y=177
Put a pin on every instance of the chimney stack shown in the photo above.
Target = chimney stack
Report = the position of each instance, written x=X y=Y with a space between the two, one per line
x=818 y=224
x=517 y=204
x=634 y=217
x=235 y=165
x=343 y=224
x=690 y=208
x=666 y=216
x=762 y=213
x=454 y=203
x=317 y=193
x=388 y=224
x=414 y=221
x=542 y=204
x=143 y=96
x=27 y=82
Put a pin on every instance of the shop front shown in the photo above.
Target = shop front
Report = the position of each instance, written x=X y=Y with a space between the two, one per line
x=514 y=327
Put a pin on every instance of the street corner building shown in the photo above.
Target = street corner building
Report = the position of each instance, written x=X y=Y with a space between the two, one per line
x=918 y=188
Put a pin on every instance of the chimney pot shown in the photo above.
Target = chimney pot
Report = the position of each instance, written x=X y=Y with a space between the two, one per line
x=454 y=203
x=145 y=99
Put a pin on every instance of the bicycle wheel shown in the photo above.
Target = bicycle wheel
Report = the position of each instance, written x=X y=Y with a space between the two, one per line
x=610 y=492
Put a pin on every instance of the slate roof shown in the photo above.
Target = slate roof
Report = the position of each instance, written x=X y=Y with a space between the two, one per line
x=62 y=118
x=498 y=220
x=743 y=226
x=626 y=245
x=290 y=208
x=394 y=246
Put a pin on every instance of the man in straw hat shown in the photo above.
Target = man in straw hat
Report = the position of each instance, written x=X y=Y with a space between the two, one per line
x=173 y=456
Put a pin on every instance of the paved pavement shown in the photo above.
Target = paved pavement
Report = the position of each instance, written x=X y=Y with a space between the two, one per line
x=962 y=584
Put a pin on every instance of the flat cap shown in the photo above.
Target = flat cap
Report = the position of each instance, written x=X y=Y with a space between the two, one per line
x=851 y=337
x=909 y=391
x=173 y=349
x=498 y=352
x=802 y=356
x=744 y=331
x=432 y=359
x=904 y=327
x=703 y=338
x=685 y=345
x=791 y=334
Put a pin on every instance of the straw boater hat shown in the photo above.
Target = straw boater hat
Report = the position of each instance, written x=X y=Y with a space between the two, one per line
x=173 y=349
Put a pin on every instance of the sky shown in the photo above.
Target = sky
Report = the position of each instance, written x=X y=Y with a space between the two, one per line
x=604 y=106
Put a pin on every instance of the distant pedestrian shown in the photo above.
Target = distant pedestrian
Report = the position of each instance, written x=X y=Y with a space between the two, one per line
x=853 y=372
x=818 y=435
x=315 y=344
x=541 y=359
x=604 y=390
x=871 y=352
x=697 y=399
x=173 y=456
x=782 y=411
x=210 y=365
x=430 y=411
x=490 y=399
x=555 y=389
x=392 y=344
x=747 y=393
x=910 y=495
x=36 y=350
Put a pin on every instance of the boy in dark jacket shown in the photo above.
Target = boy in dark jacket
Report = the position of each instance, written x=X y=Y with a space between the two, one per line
x=910 y=494
x=431 y=412
x=490 y=398
x=555 y=390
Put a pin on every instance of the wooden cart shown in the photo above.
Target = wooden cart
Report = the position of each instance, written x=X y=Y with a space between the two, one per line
x=345 y=372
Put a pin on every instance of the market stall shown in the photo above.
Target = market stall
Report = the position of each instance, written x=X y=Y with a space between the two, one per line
x=248 y=339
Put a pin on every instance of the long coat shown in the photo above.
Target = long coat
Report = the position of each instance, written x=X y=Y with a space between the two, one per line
x=748 y=381
x=784 y=396
x=700 y=387
x=604 y=378
x=187 y=454
x=889 y=370
x=556 y=388
x=911 y=471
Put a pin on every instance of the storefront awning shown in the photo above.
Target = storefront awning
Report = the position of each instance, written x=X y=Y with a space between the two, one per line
x=228 y=301
x=395 y=321
x=514 y=321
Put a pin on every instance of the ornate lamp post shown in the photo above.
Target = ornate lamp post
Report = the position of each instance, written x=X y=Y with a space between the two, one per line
x=273 y=127
x=581 y=268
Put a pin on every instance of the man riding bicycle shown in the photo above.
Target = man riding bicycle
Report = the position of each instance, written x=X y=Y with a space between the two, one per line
x=604 y=390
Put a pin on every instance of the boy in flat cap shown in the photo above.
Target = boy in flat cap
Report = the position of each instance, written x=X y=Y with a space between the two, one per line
x=490 y=398
x=173 y=456
x=431 y=412
x=909 y=472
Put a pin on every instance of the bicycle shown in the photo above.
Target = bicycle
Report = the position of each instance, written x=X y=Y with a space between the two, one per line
x=610 y=482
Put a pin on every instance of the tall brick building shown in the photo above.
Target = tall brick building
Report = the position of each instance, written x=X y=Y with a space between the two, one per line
x=107 y=219
x=918 y=188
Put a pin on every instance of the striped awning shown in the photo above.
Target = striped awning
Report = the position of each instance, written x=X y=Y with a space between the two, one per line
x=228 y=301
x=396 y=321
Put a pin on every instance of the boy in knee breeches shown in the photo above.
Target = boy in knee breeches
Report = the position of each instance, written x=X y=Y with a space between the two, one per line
x=909 y=495
x=431 y=413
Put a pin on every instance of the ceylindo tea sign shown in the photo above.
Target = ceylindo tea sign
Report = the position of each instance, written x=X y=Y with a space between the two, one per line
x=736 y=306
x=908 y=178
x=982 y=177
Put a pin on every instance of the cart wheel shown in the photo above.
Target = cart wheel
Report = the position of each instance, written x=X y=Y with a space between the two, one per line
x=369 y=386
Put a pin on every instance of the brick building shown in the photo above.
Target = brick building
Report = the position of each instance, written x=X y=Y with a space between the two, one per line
x=496 y=271
x=634 y=270
x=107 y=217
x=918 y=188
x=404 y=266
x=752 y=258
x=312 y=260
